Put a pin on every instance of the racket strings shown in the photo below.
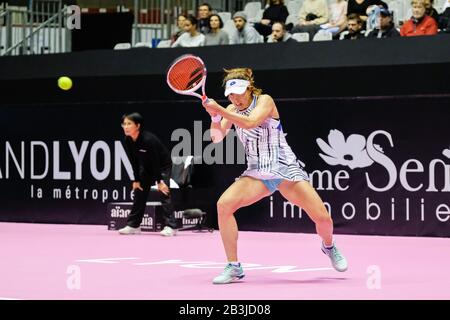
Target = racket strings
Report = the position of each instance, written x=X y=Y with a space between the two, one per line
x=195 y=80
x=186 y=74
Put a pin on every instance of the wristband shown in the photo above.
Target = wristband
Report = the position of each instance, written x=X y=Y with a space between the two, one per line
x=216 y=119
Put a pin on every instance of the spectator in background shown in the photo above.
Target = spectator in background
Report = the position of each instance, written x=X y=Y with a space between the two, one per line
x=444 y=18
x=354 y=27
x=361 y=8
x=338 y=18
x=279 y=34
x=244 y=33
x=191 y=37
x=216 y=35
x=431 y=11
x=180 y=24
x=386 y=27
x=313 y=13
x=204 y=11
x=420 y=24
x=275 y=12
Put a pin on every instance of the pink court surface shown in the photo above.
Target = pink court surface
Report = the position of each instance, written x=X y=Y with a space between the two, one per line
x=48 y=261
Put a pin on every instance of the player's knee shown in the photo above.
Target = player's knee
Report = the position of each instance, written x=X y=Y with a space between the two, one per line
x=225 y=206
x=324 y=219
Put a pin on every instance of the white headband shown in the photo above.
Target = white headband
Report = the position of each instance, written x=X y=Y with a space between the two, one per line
x=237 y=86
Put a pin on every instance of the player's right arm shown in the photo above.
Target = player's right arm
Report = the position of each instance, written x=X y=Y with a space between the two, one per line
x=219 y=130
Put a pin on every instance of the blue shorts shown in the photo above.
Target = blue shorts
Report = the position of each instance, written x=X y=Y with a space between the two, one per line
x=272 y=184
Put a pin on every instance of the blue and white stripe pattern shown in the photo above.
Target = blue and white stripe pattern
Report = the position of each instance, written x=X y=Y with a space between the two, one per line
x=267 y=152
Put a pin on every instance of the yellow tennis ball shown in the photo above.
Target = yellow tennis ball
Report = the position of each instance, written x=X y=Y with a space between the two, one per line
x=65 y=83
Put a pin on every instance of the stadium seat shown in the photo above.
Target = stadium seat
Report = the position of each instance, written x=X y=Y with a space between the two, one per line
x=301 y=36
x=122 y=46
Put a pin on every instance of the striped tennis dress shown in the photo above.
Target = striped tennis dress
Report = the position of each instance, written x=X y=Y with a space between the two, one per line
x=267 y=152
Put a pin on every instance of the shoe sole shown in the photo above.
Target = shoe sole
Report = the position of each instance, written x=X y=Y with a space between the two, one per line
x=340 y=270
x=232 y=280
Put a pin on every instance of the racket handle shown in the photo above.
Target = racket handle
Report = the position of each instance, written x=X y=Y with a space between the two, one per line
x=205 y=99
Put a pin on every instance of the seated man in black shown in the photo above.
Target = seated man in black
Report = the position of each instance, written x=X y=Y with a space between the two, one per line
x=386 y=27
x=354 y=27
x=280 y=34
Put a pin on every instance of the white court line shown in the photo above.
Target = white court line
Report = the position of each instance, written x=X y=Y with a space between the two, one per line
x=4 y=298
x=106 y=260
x=208 y=265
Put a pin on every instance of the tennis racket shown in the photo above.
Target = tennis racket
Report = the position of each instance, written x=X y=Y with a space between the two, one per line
x=186 y=75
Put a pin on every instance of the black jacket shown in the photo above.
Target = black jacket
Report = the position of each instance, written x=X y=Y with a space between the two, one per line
x=359 y=35
x=148 y=157
x=276 y=13
x=389 y=33
x=444 y=20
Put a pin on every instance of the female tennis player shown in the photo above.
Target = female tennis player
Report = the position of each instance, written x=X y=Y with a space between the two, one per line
x=271 y=166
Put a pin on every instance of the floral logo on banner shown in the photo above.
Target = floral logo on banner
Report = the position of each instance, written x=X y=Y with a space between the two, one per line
x=350 y=152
